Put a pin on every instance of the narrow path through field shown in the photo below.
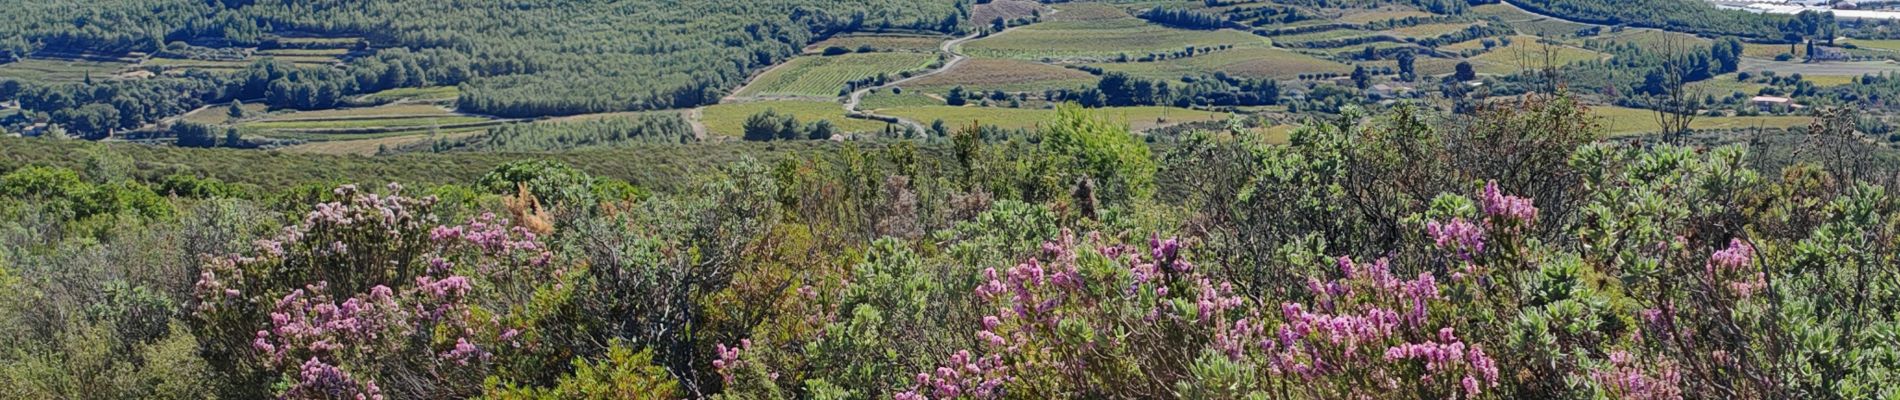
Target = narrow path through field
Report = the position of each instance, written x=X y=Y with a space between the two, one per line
x=699 y=128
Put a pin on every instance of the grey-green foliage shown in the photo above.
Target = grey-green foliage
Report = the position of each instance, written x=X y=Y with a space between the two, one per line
x=1839 y=311
x=888 y=315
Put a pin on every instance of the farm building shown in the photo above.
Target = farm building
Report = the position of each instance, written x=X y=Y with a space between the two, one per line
x=1771 y=103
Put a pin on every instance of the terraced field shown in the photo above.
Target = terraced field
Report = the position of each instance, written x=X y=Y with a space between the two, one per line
x=729 y=119
x=1622 y=121
x=911 y=43
x=886 y=99
x=1725 y=84
x=437 y=93
x=1099 y=40
x=816 y=76
x=303 y=57
x=221 y=114
x=1369 y=16
x=990 y=74
x=60 y=70
x=1871 y=44
x=1526 y=52
x=1138 y=118
x=1770 y=51
x=1086 y=12
x=1006 y=10
x=1427 y=31
x=1321 y=36
x=1245 y=62
x=364 y=123
x=1651 y=38
x=1528 y=23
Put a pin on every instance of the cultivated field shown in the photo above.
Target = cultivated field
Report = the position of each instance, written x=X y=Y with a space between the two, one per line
x=1427 y=31
x=1138 y=118
x=729 y=119
x=1304 y=39
x=885 y=99
x=988 y=74
x=1368 y=16
x=1526 y=52
x=1770 y=51
x=1622 y=121
x=363 y=123
x=893 y=42
x=1723 y=85
x=1086 y=12
x=1006 y=10
x=220 y=114
x=1528 y=23
x=437 y=93
x=817 y=76
x=1245 y=62
x=1819 y=72
x=1099 y=40
x=1874 y=44
x=370 y=147
x=302 y=57
x=1653 y=39
x=60 y=70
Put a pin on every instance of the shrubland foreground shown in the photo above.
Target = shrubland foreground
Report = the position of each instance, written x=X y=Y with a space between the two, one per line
x=1509 y=254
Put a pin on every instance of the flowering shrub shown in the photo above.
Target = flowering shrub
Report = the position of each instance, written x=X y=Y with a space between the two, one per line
x=365 y=288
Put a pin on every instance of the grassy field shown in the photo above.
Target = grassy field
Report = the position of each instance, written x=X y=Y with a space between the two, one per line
x=989 y=74
x=910 y=43
x=1246 y=62
x=1099 y=40
x=886 y=99
x=1139 y=118
x=1326 y=35
x=1822 y=74
x=1770 y=51
x=1277 y=134
x=1427 y=31
x=436 y=93
x=1830 y=80
x=826 y=76
x=729 y=119
x=1622 y=121
x=1525 y=51
x=1367 y=16
x=1528 y=23
x=1006 y=9
x=1723 y=85
x=363 y=123
x=221 y=114
x=1873 y=44
x=302 y=57
x=1085 y=12
x=369 y=147
x=57 y=70
x=1651 y=38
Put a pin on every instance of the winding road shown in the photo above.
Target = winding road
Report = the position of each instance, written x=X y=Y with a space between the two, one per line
x=949 y=47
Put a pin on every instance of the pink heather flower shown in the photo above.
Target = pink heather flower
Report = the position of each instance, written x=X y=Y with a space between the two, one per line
x=464 y=352
x=1731 y=265
x=1459 y=236
x=1625 y=378
x=1499 y=205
